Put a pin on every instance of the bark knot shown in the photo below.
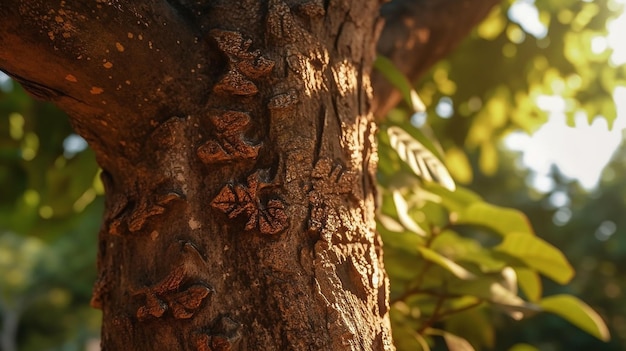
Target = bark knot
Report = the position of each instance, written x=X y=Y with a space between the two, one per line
x=263 y=212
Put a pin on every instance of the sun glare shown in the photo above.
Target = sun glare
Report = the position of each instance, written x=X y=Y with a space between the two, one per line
x=580 y=152
x=615 y=39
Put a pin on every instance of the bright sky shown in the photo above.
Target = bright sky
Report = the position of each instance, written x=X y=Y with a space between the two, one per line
x=580 y=152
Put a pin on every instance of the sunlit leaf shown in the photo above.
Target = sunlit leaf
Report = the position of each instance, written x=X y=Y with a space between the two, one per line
x=488 y=160
x=390 y=223
x=403 y=215
x=530 y=283
x=462 y=249
x=499 y=219
x=538 y=254
x=523 y=347
x=455 y=201
x=421 y=159
x=459 y=165
x=490 y=288
x=578 y=313
x=400 y=82
x=456 y=343
x=446 y=263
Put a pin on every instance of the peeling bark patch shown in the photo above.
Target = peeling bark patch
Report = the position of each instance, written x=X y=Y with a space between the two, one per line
x=119 y=47
x=141 y=213
x=329 y=179
x=96 y=90
x=231 y=145
x=137 y=216
x=244 y=201
x=235 y=83
x=243 y=64
x=256 y=67
x=182 y=291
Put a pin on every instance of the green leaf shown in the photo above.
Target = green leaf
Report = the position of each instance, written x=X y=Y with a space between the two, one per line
x=490 y=288
x=523 y=347
x=446 y=263
x=400 y=82
x=455 y=201
x=422 y=158
x=456 y=343
x=461 y=249
x=389 y=223
x=474 y=325
x=578 y=313
x=499 y=219
x=530 y=283
x=538 y=254
x=403 y=215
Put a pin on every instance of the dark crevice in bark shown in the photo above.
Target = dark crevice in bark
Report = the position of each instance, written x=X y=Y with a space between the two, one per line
x=320 y=126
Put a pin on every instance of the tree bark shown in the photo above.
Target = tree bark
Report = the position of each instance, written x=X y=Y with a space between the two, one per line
x=238 y=152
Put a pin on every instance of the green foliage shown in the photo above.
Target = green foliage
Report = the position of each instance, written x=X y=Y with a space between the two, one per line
x=465 y=255
x=578 y=313
x=469 y=257
x=49 y=213
x=504 y=79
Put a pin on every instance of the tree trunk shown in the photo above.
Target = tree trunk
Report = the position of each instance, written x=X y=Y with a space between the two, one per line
x=237 y=145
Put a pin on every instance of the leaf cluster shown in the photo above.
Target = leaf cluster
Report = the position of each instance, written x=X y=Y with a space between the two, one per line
x=453 y=258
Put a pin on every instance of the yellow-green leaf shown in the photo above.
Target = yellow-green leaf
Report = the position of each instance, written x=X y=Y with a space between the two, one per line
x=490 y=288
x=578 y=313
x=523 y=347
x=538 y=254
x=400 y=82
x=500 y=219
x=459 y=165
x=403 y=215
x=530 y=283
x=446 y=263
x=456 y=343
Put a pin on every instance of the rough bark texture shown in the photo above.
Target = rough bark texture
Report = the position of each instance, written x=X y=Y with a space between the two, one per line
x=238 y=153
x=237 y=148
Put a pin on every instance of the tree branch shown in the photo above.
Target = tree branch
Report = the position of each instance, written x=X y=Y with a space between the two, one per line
x=417 y=34
x=105 y=61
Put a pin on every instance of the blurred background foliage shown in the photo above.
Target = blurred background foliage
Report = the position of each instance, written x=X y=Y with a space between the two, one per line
x=547 y=68
x=50 y=212
x=530 y=64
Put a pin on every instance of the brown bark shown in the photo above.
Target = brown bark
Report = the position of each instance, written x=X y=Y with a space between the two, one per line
x=237 y=148
x=237 y=145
